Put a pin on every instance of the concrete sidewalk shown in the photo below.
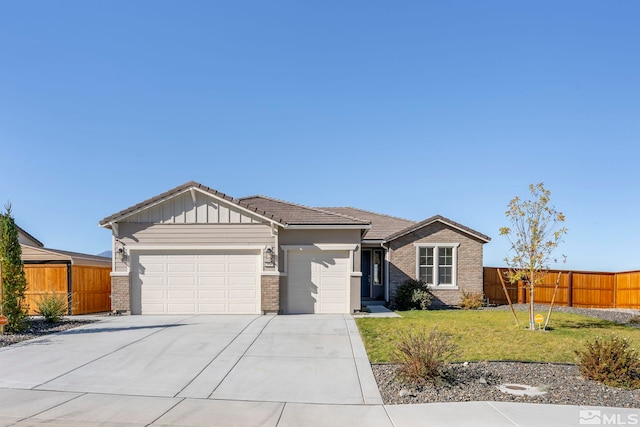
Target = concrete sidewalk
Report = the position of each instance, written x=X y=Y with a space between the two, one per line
x=51 y=408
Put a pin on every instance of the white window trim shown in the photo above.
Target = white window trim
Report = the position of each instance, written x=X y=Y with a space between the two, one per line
x=436 y=275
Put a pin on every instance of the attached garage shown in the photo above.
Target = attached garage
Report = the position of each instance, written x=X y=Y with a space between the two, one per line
x=195 y=250
x=195 y=282
x=318 y=282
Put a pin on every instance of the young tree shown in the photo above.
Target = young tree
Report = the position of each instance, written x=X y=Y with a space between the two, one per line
x=535 y=233
x=14 y=283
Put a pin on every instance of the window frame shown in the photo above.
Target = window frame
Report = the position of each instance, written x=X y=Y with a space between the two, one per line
x=436 y=260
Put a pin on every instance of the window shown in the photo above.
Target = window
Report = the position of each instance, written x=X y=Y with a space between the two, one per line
x=436 y=264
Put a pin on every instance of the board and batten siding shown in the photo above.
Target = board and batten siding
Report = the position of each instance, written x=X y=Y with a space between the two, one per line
x=181 y=209
x=190 y=235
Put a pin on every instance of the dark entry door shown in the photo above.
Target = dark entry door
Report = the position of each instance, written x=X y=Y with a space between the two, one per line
x=365 y=281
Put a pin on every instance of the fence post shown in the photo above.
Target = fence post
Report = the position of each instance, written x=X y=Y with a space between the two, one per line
x=570 y=290
x=615 y=291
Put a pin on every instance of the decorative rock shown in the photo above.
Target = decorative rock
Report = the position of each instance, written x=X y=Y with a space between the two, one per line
x=482 y=380
x=405 y=393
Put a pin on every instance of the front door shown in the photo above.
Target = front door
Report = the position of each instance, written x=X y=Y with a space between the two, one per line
x=365 y=281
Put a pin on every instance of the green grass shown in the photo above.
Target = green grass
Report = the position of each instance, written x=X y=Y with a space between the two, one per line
x=493 y=335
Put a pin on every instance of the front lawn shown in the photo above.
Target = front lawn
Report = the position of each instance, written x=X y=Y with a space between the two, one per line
x=493 y=335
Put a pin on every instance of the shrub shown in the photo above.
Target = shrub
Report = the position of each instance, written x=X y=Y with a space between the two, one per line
x=423 y=358
x=471 y=300
x=52 y=307
x=412 y=295
x=611 y=362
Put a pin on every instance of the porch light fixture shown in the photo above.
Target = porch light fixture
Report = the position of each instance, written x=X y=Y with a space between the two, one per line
x=120 y=252
x=268 y=256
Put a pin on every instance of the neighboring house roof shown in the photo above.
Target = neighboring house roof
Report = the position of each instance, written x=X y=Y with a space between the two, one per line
x=443 y=220
x=382 y=225
x=28 y=236
x=294 y=214
x=177 y=190
x=31 y=254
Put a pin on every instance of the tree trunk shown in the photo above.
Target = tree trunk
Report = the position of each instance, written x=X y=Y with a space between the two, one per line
x=532 y=314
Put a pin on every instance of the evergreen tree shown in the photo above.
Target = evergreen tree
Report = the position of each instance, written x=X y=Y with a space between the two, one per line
x=14 y=283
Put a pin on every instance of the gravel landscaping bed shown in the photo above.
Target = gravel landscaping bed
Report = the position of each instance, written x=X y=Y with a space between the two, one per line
x=38 y=327
x=479 y=381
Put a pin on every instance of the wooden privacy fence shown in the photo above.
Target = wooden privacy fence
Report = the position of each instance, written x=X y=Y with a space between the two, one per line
x=88 y=288
x=576 y=289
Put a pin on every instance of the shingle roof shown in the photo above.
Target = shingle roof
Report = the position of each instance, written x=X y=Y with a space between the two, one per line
x=439 y=218
x=382 y=225
x=277 y=210
x=294 y=214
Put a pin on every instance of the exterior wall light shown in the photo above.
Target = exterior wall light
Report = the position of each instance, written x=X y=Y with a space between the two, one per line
x=268 y=257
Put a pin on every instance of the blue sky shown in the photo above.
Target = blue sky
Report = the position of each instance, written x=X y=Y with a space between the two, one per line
x=407 y=108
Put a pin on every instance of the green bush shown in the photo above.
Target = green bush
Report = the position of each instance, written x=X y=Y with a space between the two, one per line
x=471 y=300
x=52 y=307
x=611 y=362
x=14 y=283
x=412 y=295
x=423 y=358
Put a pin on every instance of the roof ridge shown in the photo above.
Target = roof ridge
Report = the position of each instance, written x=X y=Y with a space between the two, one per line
x=273 y=199
x=371 y=212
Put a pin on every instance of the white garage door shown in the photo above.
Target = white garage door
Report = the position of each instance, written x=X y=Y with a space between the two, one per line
x=318 y=282
x=196 y=282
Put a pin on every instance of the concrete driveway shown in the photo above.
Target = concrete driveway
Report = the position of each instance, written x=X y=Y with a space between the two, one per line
x=157 y=362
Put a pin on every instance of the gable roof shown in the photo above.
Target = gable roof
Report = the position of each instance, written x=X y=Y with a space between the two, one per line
x=277 y=211
x=443 y=220
x=382 y=225
x=106 y=222
x=295 y=214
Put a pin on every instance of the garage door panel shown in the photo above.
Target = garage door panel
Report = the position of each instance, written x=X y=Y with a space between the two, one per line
x=154 y=268
x=249 y=294
x=332 y=280
x=152 y=281
x=211 y=308
x=205 y=267
x=179 y=281
x=212 y=294
x=180 y=268
x=176 y=307
x=241 y=308
x=155 y=294
x=336 y=294
x=183 y=294
x=242 y=280
x=241 y=268
x=205 y=282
